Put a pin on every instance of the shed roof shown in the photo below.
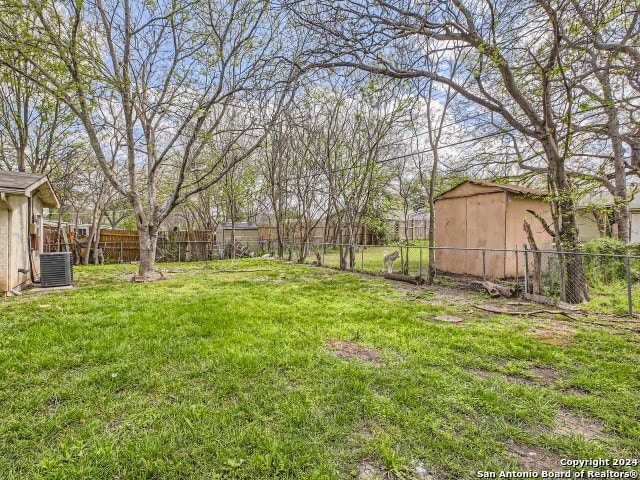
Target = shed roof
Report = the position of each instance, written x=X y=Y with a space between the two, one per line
x=20 y=183
x=498 y=186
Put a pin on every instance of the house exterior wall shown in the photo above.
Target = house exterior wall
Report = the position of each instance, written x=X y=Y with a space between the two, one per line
x=37 y=211
x=242 y=236
x=587 y=226
x=635 y=227
x=4 y=248
x=13 y=243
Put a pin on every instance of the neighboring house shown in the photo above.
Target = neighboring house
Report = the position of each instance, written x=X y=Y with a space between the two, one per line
x=244 y=232
x=23 y=196
x=595 y=219
x=416 y=227
x=482 y=215
x=83 y=229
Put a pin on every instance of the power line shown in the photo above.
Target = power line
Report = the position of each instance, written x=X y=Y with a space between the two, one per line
x=391 y=159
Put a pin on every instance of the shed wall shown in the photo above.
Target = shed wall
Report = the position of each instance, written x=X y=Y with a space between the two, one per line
x=516 y=215
x=467 y=189
x=516 y=237
x=476 y=221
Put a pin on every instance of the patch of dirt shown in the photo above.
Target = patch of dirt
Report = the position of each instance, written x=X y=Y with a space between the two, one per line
x=575 y=391
x=549 y=374
x=481 y=373
x=544 y=375
x=532 y=458
x=568 y=423
x=420 y=472
x=554 y=336
x=458 y=297
x=563 y=327
x=449 y=319
x=114 y=426
x=520 y=379
x=367 y=470
x=352 y=350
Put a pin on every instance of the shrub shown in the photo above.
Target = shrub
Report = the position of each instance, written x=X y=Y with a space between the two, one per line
x=603 y=268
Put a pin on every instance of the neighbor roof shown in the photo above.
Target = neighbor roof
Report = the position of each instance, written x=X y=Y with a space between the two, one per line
x=20 y=183
x=240 y=225
x=501 y=186
x=604 y=199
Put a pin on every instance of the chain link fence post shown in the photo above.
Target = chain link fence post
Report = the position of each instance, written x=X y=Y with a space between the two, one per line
x=517 y=266
x=526 y=269
x=484 y=265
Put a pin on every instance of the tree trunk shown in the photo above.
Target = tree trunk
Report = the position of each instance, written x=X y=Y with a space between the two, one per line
x=148 y=240
x=89 y=240
x=97 y=258
x=537 y=261
x=574 y=278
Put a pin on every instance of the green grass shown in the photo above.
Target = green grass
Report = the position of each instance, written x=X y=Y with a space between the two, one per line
x=228 y=375
x=369 y=259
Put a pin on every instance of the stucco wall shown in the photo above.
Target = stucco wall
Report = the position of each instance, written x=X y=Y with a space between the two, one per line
x=4 y=249
x=18 y=256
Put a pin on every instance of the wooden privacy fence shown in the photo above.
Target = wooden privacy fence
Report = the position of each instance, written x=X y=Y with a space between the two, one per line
x=120 y=245
x=124 y=245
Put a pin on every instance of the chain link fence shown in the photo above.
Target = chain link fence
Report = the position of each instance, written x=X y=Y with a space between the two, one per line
x=599 y=282
x=604 y=283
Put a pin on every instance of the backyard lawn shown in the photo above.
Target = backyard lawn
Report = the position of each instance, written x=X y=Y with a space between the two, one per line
x=287 y=371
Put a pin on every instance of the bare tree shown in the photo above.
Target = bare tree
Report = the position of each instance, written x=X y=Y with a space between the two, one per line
x=514 y=54
x=163 y=79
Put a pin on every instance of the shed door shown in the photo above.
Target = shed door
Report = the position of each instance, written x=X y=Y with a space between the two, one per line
x=451 y=231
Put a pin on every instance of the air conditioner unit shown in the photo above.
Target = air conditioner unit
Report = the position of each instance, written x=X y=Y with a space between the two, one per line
x=56 y=269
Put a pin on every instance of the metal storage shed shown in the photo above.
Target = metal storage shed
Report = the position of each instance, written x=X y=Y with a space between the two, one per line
x=483 y=215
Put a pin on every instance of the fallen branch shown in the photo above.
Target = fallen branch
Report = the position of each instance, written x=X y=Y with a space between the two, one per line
x=494 y=290
x=529 y=312
x=253 y=270
x=405 y=278
x=612 y=325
